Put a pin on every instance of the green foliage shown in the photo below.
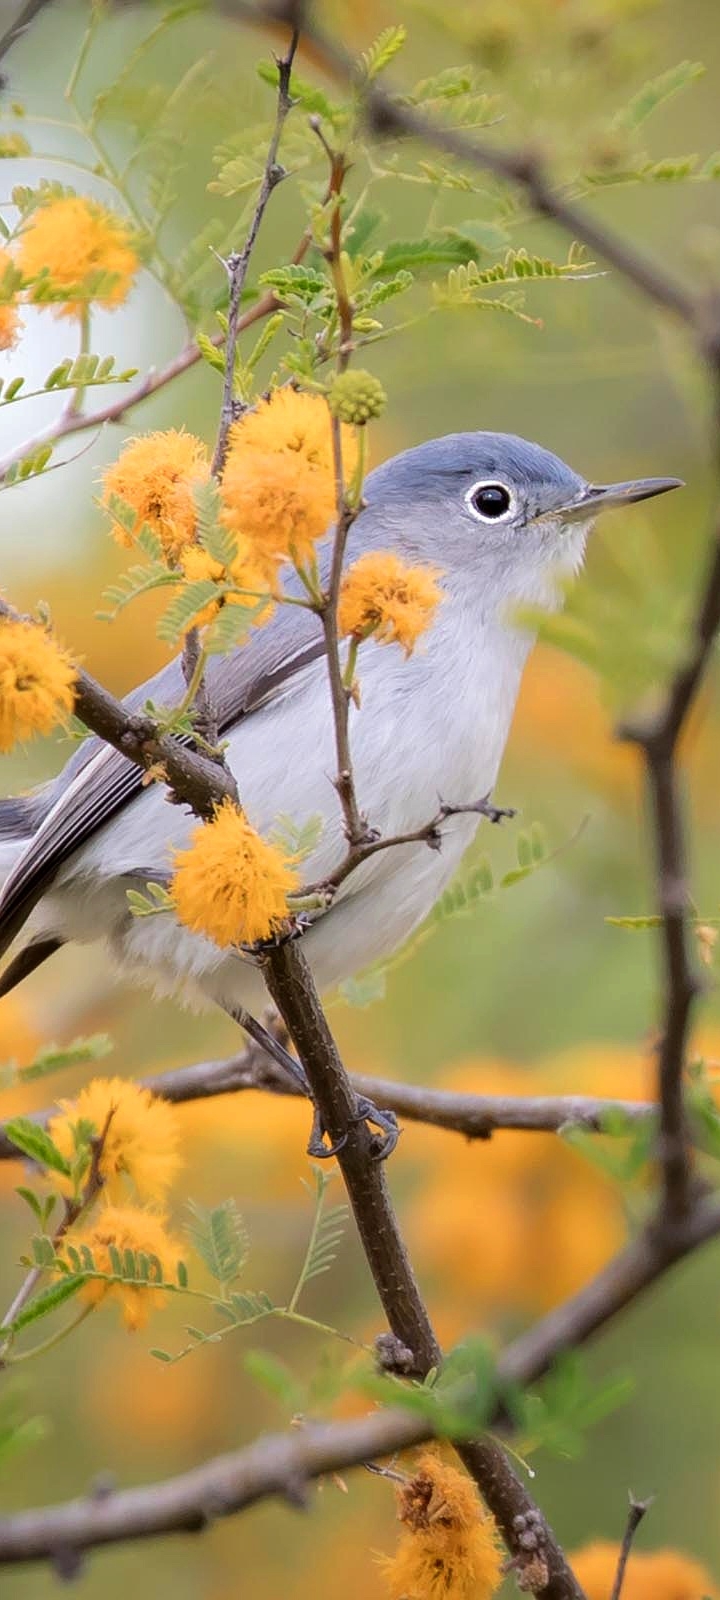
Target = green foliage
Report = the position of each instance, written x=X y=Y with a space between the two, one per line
x=297 y=840
x=220 y=1238
x=383 y=50
x=139 y=579
x=325 y=1234
x=17 y=1433
x=36 y=1144
x=156 y=901
x=43 y=1304
x=558 y=1416
x=626 y=1150
x=56 y=1058
x=655 y=93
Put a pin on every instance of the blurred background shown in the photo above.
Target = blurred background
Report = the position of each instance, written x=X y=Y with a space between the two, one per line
x=528 y=989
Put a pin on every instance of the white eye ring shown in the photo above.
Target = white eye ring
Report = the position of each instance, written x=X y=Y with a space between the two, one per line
x=504 y=501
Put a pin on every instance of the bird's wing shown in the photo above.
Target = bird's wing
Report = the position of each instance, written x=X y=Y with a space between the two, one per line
x=98 y=781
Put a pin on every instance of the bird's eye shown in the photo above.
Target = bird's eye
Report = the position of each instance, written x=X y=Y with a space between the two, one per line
x=489 y=501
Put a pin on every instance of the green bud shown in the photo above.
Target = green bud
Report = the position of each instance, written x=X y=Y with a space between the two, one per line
x=357 y=396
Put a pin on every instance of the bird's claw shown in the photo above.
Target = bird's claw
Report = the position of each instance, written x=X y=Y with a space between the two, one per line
x=367 y=1111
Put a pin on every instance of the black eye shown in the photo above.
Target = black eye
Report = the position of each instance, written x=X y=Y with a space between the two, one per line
x=490 y=501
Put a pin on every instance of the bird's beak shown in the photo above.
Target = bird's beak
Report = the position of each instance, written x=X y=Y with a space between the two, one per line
x=594 y=498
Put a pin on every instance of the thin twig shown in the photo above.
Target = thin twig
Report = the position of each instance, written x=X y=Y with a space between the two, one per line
x=636 y=1513
x=238 y=262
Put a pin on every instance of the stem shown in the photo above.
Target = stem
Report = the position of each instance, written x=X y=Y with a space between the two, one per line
x=52 y=1340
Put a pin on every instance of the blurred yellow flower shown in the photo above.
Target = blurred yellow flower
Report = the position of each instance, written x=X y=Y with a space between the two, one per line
x=243 y=571
x=9 y=318
x=156 y=475
x=141 y=1142
x=514 y=1225
x=37 y=681
x=230 y=884
x=126 y=1228
x=68 y=243
x=450 y=1549
x=657 y=1575
x=278 y=483
x=384 y=596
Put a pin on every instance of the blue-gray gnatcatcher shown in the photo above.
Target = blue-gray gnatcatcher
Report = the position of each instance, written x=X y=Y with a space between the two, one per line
x=504 y=520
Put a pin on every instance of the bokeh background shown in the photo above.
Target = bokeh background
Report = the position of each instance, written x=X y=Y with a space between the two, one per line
x=530 y=988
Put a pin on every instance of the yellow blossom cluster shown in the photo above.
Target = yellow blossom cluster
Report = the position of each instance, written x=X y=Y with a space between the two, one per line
x=230 y=884
x=141 y=1136
x=69 y=244
x=37 y=681
x=449 y=1549
x=243 y=572
x=126 y=1228
x=278 y=484
x=655 y=1575
x=156 y=475
x=136 y=1161
x=386 y=597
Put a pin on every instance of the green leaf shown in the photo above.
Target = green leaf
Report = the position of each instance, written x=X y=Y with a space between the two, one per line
x=275 y=1378
x=437 y=250
x=31 y=1200
x=219 y=541
x=634 y=922
x=220 y=1239
x=298 y=839
x=302 y=285
x=36 y=1143
x=190 y=600
x=56 y=1058
x=654 y=93
x=382 y=51
x=366 y=989
x=44 y=1303
x=230 y=627
x=139 y=579
x=214 y=357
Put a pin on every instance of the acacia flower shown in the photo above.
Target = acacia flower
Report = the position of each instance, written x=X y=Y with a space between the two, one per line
x=278 y=484
x=37 y=681
x=229 y=883
x=9 y=318
x=126 y=1228
x=74 y=244
x=384 y=596
x=449 y=1548
x=156 y=474
x=243 y=571
x=356 y=396
x=651 y=1575
x=141 y=1141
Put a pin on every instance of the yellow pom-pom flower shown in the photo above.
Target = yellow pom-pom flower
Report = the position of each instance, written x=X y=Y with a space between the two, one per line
x=157 y=474
x=37 y=681
x=449 y=1549
x=126 y=1228
x=141 y=1142
x=66 y=244
x=244 y=571
x=384 y=596
x=9 y=318
x=229 y=883
x=278 y=483
x=655 y=1575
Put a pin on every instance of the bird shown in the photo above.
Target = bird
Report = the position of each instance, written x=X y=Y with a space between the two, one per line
x=506 y=521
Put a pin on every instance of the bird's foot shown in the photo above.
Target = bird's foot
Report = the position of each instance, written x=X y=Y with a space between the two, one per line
x=384 y=1142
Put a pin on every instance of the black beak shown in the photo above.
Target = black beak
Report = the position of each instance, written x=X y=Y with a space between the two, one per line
x=594 y=498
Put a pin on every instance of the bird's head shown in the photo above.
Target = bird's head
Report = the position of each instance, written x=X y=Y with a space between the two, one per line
x=501 y=516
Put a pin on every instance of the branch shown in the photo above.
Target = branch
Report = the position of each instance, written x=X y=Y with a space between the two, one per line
x=636 y=1513
x=292 y=989
x=475 y=1116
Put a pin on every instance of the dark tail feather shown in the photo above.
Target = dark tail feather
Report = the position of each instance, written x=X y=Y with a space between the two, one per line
x=26 y=961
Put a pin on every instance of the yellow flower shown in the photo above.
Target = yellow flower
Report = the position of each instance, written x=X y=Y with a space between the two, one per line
x=67 y=244
x=126 y=1228
x=141 y=1140
x=449 y=1550
x=9 y=319
x=384 y=596
x=37 y=680
x=243 y=571
x=230 y=884
x=156 y=475
x=278 y=483
x=658 y=1575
